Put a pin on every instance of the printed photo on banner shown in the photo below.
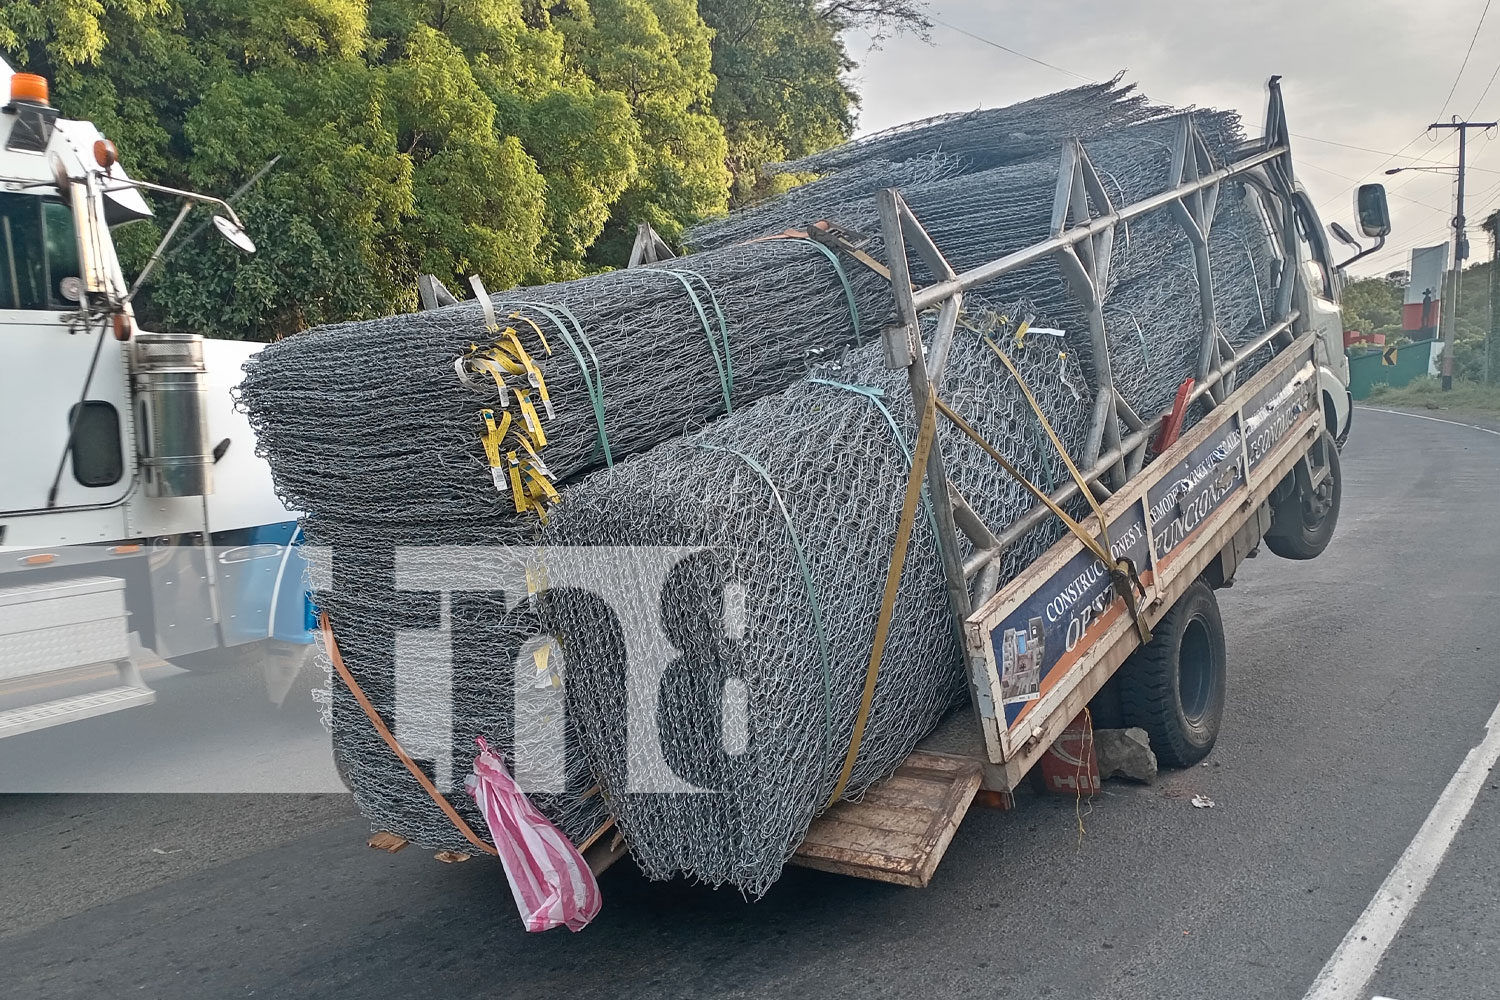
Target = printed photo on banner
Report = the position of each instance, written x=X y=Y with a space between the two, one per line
x=1021 y=666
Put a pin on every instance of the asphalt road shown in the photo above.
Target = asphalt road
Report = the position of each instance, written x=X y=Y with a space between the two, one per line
x=1358 y=681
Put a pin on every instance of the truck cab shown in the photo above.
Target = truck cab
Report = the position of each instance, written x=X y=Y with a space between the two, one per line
x=1304 y=245
x=131 y=498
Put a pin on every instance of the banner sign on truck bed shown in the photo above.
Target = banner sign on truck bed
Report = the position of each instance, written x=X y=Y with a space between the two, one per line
x=1046 y=626
x=1200 y=484
x=1272 y=411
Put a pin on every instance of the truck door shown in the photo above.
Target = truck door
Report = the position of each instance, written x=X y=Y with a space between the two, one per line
x=1320 y=305
x=54 y=368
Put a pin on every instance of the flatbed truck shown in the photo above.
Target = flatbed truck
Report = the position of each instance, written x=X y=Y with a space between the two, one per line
x=1139 y=642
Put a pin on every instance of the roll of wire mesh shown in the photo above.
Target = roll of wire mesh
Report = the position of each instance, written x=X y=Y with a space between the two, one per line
x=730 y=402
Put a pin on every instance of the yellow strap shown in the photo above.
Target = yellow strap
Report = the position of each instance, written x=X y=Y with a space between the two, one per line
x=539 y=334
x=517 y=489
x=494 y=435
x=500 y=357
x=1088 y=540
x=489 y=365
x=1122 y=572
x=536 y=577
x=541 y=390
x=529 y=417
x=539 y=657
x=1021 y=332
x=540 y=487
x=528 y=366
x=1083 y=487
x=892 y=584
x=536 y=459
x=509 y=342
x=492 y=438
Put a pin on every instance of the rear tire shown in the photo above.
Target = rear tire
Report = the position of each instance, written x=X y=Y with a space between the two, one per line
x=1173 y=687
x=1297 y=533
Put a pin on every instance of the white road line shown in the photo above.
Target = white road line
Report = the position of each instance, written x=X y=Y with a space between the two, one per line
x=1354 y=962
x=1436 y=420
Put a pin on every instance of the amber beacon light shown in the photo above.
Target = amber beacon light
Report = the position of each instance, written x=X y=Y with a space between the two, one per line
x=28 y=87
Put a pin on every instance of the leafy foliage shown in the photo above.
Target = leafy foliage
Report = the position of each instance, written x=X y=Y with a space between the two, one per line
x=1373 y=305
x=781 y=90
x=518 y=139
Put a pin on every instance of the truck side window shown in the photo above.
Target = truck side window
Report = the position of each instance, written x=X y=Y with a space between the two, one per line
x=62 y=248
x=38 y=249
x=1320 y=271
x=98 y=459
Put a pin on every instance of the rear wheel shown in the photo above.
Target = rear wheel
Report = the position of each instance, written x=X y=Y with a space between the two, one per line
x=1302 y=524
x=1173 y=687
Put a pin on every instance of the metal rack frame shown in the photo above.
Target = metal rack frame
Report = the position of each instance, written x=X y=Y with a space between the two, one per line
x=1084 y=220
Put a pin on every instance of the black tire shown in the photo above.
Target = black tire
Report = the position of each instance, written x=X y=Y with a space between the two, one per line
x=1173 y=687
x=1295 y=532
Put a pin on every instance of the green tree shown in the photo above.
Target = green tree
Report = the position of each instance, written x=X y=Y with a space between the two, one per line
x=519 y=139
x=1373 y=305
x=656 y=53
x=49 y=33
x=782 y=68
x=781 y=90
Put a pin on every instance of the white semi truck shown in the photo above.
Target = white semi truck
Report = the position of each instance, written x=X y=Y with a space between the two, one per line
x=131 y=498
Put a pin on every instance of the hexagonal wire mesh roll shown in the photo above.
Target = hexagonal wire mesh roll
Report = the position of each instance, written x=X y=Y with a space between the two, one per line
x=368 y=430
x=795 y=503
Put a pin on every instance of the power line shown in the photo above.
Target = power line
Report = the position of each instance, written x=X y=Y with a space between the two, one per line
x=1382 y=152
x=1014 y=52
x=1379 y=166
x=1486 y=91
x=1472 y=39
x=1475 y=37
x=1413 y=242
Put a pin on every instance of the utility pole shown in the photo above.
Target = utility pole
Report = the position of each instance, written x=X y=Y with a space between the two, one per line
x=1492 y=336
x=1460 y=243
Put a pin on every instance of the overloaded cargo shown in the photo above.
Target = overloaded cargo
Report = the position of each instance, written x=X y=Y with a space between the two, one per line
x=734 y=403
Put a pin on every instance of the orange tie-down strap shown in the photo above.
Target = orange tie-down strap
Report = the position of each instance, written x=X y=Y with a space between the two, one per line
x=390 y=740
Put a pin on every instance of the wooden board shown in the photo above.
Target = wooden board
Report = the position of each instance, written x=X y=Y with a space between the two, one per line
x=899 y=831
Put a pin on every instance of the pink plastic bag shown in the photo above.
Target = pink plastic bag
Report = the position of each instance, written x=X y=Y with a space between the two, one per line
x=549 y=878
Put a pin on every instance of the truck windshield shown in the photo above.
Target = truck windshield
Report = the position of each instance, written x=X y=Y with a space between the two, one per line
x=38 y=250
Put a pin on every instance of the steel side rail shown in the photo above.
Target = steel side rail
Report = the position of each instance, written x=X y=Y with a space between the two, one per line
x=934 y=294
x=983 y=557
x=1108 y=636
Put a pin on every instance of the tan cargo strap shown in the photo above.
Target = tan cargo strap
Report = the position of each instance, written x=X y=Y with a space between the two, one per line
x=1122 y=572
x=1083 y=486
x=390 y=741
x=892 y=584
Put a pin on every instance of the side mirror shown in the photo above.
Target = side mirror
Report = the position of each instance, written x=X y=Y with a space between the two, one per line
x=1370 y=207
x=1342 y=235
x=237 y=237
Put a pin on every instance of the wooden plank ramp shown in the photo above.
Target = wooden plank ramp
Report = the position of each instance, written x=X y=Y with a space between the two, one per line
x=901 y=828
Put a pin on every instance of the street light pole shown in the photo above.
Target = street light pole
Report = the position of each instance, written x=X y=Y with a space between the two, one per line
x=1460 y=244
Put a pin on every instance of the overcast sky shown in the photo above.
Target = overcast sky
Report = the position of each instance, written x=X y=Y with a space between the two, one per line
x=1371 y=73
